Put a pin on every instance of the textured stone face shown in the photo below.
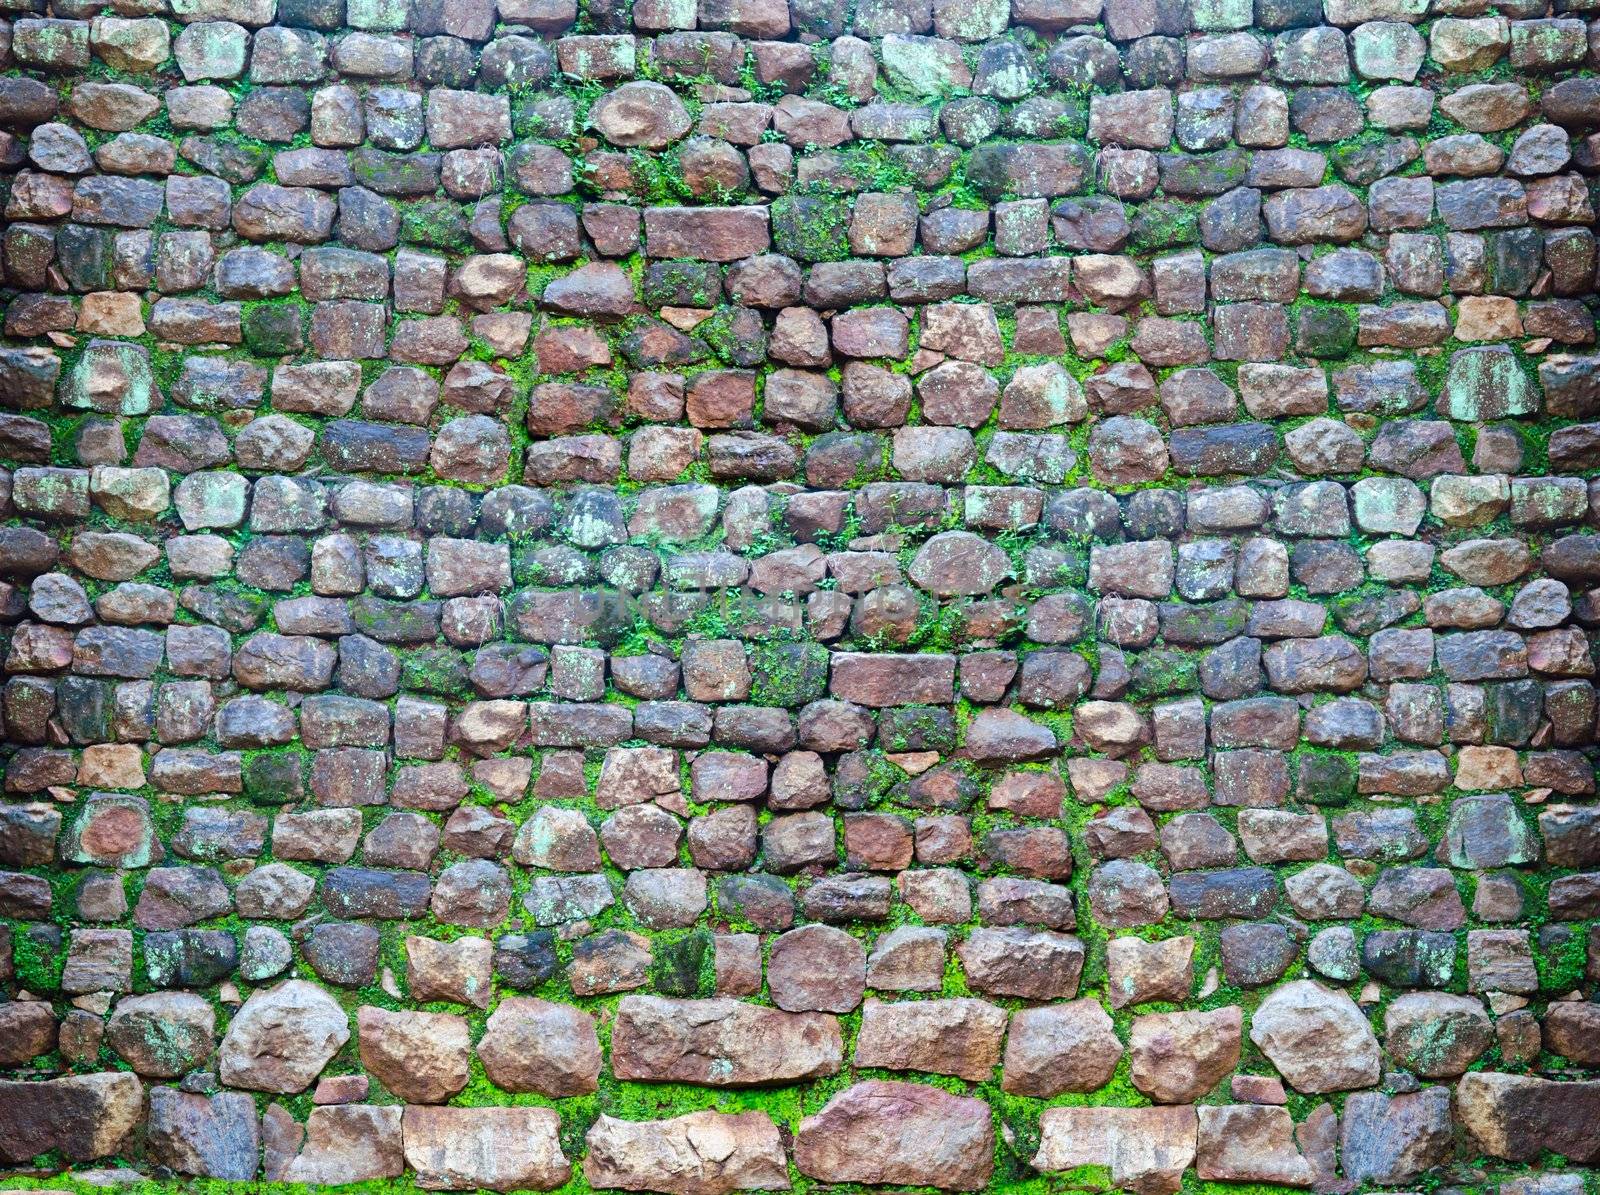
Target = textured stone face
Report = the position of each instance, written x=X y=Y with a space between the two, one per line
x=1145 y=1149
x=282 y=1038
x=1319 y=1039
x=501 y=1149
x=960 y=1037
x=1247 y=1143
x=703 y=1153
x=349 y=1143
x=1060 y=1047
x=1175 y=1058
x=721 y=1042
x=900 y=1134
x=659 y=595
x=211 y=1137
x=534 y=1045
x=420 y=1057
x=85 y=1117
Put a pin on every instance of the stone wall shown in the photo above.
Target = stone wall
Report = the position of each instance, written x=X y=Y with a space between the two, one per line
x=718 y=595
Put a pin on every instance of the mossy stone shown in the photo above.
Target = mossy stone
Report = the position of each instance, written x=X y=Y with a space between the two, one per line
x=274 y=330
x=1163 y=672
x=1409 y=957
x=1326 y=779
x=1513 y=712
x=436 y=223
x=917 y=728
x=681 y=284
x=1515 y=258
x=736 y=335
x=311 y=14
x=1288 y=14
x=84 y=707
x=441 y=671
x=274 y=778
x=84 y=256
x=679 y=965
x=811 y=227
x=789 y=674
x=864 y=778
x=524 y=961
x=1324 y=332
x=1163 y=224
x=377 y=15
x=191 y=958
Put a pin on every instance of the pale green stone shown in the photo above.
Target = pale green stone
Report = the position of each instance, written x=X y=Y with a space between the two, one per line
x=376 y=15
x=1212 y=15
x=113 y=378
x=924 y=65
x=1486 y=382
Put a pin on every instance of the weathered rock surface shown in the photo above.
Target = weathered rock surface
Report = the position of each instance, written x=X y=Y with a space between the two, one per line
x=83 y=1117
x=1517 y=1116
x=1175 y=1058
x=701 y=1153
x=902 y=1134
x=721 y=1043
x=1317 y=1038
x=540 y=1046
x=1060 y=1047
x=944 y=1037
x=1146 y=1149
x=215 y=1136
x=421 y=1057
x=349 y=1143
x=281 y=1038
x=501 y=1149
x=1247 y=1143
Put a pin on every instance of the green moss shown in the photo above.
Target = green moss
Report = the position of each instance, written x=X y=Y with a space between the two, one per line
x=37 y=960
x=1561 y=964
x=811 y=228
